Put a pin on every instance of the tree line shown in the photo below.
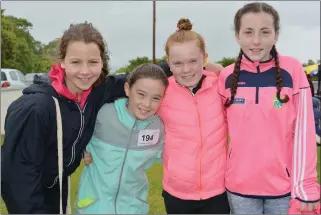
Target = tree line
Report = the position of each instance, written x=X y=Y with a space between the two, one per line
x=140 y=60
x=225 y=61
x=20 y=50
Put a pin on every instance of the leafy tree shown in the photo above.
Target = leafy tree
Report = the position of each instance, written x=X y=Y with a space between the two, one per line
x=226 y=61
x=19 y=49
x=136 y=62
x=310 y=62
x=159 y=60
x=51 y=50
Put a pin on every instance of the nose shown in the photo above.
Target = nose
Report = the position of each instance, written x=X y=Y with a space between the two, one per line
x=146 y=103
x=84 y=70
x=186 y=68
x=256 y=39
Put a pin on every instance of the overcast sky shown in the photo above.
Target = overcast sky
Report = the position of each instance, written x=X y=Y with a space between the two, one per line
x=127 y=26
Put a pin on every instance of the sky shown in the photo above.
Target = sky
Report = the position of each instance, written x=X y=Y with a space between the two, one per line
x=127 y=25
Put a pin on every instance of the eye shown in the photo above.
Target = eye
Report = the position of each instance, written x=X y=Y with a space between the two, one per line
x=74 y=62
x=141 y=94
x=93 y=62
x=266 y=32
x=157 y=98
x=248 y=32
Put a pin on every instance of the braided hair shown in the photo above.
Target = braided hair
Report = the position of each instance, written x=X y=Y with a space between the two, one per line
x=235 y=79
x=279 y=81
x=257 y=7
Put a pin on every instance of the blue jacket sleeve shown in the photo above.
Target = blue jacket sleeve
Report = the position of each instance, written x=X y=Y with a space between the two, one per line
x=118 y=90
x=23 y=154
x=110 y=90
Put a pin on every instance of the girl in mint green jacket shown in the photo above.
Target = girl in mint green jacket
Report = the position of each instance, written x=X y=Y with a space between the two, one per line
x=127 y=140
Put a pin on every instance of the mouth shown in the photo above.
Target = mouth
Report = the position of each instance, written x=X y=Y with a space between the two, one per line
x=256 y=50
x=143 y=111
x=188 y=77
x=85 y=79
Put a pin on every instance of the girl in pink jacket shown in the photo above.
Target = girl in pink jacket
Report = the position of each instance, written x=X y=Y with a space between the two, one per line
x=195 y=145
x=272 y=155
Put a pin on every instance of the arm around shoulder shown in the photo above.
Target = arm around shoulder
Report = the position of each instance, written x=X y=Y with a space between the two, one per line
x=119 y=81
x=111 y=89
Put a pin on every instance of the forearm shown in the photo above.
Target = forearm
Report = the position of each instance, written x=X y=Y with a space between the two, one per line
x=304 y=177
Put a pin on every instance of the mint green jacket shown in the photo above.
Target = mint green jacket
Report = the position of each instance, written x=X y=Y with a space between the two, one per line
x=122 y=149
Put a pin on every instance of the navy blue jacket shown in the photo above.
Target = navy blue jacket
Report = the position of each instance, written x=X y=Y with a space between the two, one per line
x=29 y=161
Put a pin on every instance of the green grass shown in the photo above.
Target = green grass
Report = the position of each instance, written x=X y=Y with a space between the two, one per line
x=155 y=191
x=155 y=179
x=155 y=198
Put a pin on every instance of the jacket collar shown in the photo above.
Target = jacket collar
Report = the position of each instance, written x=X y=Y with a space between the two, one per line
x=252 y=66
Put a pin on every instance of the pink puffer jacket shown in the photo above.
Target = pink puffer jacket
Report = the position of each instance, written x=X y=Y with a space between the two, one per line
x=195 y=141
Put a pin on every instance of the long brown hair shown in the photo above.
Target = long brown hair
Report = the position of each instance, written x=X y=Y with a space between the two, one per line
x=256 y=7
x=87 y=33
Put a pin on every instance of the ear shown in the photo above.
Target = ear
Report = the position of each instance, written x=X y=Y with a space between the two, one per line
x=167 y=60
x=101 y=64
x=62 y=63
x=205 y=59
x=127 y=89
x=276 y=37
x=237 y=38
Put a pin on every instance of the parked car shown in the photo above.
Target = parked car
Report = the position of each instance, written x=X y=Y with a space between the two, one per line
x=30 y=76
x=12 y=79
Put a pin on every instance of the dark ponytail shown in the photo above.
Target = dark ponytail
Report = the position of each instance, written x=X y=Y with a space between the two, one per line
x=235 y=79
x=279 y=82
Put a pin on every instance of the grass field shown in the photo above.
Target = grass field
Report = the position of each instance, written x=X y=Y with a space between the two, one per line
x=155 y=179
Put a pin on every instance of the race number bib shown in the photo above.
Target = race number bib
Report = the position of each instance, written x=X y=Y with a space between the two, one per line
x=148 y=137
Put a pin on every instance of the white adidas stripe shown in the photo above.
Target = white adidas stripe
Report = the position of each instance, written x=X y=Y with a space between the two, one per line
x=300 y=148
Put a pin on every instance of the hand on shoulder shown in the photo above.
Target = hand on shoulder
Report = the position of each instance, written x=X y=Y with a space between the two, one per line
x=214 y=67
